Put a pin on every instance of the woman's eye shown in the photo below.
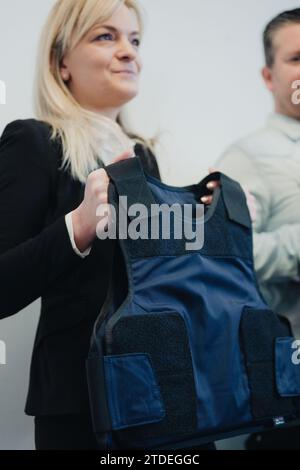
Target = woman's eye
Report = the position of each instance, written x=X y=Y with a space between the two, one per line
x=103 y=35
x=110 y=36
x=296 y=58
x=138 y=42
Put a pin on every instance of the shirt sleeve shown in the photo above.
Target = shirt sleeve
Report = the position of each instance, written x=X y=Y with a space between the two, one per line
x=276 y=253
x=32 y=256
x=69 y=224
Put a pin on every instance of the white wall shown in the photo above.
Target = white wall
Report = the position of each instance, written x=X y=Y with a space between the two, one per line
x=201 y=86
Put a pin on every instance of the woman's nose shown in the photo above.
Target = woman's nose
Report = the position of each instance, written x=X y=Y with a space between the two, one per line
x=126 y=49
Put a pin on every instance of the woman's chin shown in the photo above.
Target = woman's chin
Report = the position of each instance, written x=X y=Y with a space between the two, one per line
x=126 y=93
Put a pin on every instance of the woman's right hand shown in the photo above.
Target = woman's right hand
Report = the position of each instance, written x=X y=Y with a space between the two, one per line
x=85 y=220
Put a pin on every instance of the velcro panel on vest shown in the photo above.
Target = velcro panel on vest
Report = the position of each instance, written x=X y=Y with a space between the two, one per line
x=164 y=337
x=129 y=179
x=235 y=201
x=259 y=329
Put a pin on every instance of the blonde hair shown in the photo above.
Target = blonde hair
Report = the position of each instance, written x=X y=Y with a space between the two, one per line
x=84 y=135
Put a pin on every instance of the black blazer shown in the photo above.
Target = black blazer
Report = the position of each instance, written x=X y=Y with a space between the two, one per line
x=37 y=260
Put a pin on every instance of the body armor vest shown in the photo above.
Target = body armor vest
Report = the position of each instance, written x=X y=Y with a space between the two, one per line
x=185 y=350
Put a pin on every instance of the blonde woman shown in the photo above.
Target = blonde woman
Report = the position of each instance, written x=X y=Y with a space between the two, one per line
x=51 y=182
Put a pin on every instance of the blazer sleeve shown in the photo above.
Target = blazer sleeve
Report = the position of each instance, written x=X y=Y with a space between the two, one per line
x=31 y=257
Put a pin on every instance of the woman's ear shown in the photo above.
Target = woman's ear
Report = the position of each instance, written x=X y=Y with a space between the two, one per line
x=64 y=72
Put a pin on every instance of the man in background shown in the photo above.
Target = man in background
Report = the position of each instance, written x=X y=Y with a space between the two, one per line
x=267 y=162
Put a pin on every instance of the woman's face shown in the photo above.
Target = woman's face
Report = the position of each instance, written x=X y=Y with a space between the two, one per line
x=103 y=70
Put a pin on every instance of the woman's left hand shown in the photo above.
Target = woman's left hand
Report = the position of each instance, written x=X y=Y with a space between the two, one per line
x=250 y=199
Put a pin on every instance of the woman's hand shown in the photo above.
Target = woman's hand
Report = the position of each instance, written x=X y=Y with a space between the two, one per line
x=85 y=220
x=250 y=199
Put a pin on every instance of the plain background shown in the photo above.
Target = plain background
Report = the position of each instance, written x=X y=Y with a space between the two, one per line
x=201 y=89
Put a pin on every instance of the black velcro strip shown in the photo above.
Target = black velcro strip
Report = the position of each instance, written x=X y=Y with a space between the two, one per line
x=259 y=328
x=164 y=337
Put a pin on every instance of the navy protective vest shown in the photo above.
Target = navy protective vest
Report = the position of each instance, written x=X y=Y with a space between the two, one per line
x=185 y=350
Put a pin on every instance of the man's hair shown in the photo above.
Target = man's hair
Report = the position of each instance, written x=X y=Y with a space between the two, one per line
x=284 y=18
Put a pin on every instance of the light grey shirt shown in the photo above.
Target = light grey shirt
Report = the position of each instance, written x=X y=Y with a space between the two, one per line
x=267 y=162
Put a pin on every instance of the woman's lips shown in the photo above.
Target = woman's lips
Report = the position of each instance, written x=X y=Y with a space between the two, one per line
x=128 y=72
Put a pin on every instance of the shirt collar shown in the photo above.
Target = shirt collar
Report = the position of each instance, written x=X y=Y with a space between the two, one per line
x=288 y=125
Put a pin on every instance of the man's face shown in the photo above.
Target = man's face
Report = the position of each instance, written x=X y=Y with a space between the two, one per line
x=285 y=69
